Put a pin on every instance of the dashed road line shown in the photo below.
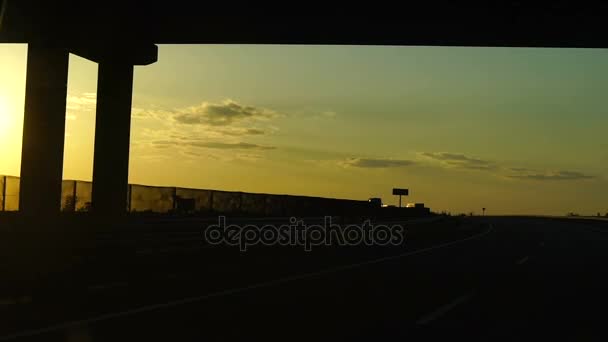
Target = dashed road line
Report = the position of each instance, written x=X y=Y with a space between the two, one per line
x=441 y=311
x=523 y=260
x=232 y=291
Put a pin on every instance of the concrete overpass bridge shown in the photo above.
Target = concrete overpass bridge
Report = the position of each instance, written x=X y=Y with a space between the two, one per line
x=118 y=36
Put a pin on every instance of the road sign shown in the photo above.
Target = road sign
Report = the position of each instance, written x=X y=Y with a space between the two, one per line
x=400 y=192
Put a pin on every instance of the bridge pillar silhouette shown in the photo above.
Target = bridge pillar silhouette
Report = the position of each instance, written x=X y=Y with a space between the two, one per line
x=113 y=124
x=44 y=125
x=43 y=130
x=112 y=138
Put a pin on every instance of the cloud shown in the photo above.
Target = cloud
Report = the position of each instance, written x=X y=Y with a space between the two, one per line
x=86 y=101
x=237 y=131
x=210 y=144
x=248 y=157
x=192 y=153
x=254 y=131
x=156 y=158
x=377 y=163
x=198 y=131
x=520 y=169
x=221 y=114
x=198 y=154
x=238 y=146
x=195 y=155
x=207 y=122
x=163 y=144
x=149 y=113
x=551 y=176
x=460 y=160
x=316 y=115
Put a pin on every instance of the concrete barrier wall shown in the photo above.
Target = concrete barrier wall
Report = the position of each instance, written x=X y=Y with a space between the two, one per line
x=225 y=202
x=76 y=196
x=2 y=190
x=253 y=204
x=68 y=195
x=151 y=199
x=274 y=206
x=202 y=198
x=83 y=195
x=11 y=198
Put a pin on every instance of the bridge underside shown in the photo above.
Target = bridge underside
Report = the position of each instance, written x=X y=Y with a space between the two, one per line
x=452 y=23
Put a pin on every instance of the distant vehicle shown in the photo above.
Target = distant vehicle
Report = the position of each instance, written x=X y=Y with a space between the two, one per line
x=376 y=202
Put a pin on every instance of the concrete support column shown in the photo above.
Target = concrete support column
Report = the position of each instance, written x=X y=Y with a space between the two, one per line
x=112 y=138
x=43 y=130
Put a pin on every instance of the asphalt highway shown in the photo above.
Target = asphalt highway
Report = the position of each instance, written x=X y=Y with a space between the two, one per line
x=511 y=279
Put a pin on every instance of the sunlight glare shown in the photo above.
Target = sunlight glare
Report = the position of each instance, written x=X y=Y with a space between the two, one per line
x=5 y=118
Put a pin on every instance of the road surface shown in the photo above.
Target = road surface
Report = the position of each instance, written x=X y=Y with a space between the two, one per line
x=514 y=279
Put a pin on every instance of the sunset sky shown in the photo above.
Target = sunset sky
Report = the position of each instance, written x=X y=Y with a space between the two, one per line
x=519 y=131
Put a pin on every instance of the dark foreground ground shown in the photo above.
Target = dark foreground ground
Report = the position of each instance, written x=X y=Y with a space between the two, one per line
x=494 y=279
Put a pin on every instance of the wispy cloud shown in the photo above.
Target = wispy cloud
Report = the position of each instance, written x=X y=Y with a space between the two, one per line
x=210 y=144
x=84 y=101
x=550 y=176
x=221 y=114
x=240 y=131
x=520 y=169
x=237 y=146
x=460 y=160
x=197 y=131
x=376 y=163
x=254 y=131
x=317 y=115
x=194 y=155
x=227 y=122
x=197 y=154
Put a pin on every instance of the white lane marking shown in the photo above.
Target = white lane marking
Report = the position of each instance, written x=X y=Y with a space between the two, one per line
x=523 y=260
x=227 y=292
x=444 y=309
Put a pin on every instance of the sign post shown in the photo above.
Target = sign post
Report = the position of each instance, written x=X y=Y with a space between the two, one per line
x=400 y=192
